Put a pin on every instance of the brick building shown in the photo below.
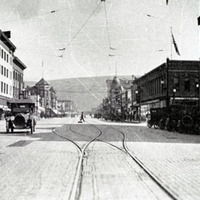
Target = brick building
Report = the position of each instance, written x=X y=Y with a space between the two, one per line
x=173 y=82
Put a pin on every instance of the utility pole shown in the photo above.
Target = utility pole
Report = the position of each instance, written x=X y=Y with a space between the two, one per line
x=167 y=84
x=199 y=85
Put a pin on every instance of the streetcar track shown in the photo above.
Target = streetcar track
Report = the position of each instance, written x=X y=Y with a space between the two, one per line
x=76 y=188
x=77 y=185
x=165 y=188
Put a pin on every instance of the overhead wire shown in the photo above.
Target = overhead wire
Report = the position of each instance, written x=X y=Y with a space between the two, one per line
x=109 y=41
x=80 y=29
x=77 y=33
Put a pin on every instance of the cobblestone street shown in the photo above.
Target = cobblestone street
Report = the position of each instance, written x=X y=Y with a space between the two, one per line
x=43 y=165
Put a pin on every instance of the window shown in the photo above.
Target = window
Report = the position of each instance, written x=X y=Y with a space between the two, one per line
x=2 y=69
x=7 y=57
x=7 y=72
x=4 y=88
x=1 y=86
x=186 y=83
x=176 y=83
x=2 y=53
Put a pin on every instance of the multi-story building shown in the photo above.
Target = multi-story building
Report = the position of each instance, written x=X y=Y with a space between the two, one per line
x=173 y=82
x=7 y=49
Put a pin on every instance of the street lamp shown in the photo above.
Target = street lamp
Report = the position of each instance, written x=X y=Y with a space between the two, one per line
x=23 y=93
x=162 y=85
x=138 y=100
x=174 y=91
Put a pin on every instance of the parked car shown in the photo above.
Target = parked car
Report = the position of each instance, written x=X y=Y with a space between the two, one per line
x=22 y=115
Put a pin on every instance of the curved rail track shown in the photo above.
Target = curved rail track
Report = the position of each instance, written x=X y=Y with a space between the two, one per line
x=76 y=190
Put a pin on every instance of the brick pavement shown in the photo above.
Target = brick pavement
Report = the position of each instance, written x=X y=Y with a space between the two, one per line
x=176 y=165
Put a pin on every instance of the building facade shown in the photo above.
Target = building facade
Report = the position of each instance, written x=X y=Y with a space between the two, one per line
x=118 y=100
x=174 y=82
x=66 y=107
x=7 y=49
x=11 y=72
x=46 y=98
x=18 y=79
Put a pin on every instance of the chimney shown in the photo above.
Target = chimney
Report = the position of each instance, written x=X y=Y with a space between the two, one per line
x=7 y=33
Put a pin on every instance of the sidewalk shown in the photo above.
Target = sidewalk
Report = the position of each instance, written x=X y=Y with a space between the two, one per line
x=109 y=122
x=2 y=126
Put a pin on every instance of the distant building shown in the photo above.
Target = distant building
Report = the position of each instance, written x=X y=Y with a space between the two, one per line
x=47 y=105
x=66 y=107
x=118 y=95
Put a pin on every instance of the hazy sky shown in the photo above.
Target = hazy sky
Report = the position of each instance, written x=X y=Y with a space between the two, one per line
x=138 y=31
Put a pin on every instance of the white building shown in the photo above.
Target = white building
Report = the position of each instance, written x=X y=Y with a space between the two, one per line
x=7 y=49
x=11 y=72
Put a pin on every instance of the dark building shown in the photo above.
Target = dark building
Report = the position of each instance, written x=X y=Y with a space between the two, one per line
x=18 y=80
x=173 y=82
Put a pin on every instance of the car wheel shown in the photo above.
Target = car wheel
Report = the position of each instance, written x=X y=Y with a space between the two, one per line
x=7 y=128
x=31 y=127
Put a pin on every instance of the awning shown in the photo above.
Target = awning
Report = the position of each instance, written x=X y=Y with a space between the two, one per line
x=41 y=109
x=55 y=111
x=5 y=108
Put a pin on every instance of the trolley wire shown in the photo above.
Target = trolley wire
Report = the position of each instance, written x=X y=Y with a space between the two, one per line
x=80 y=29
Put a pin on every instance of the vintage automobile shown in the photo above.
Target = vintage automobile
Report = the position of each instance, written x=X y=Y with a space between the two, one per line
x=22 y=115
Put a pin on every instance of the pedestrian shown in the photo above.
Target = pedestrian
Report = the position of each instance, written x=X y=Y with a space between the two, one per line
x=82 y=117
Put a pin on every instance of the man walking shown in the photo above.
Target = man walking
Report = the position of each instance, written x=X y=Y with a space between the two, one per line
x=82 y=117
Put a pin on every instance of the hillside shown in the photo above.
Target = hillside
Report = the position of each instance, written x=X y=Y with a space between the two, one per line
x=87 y=92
